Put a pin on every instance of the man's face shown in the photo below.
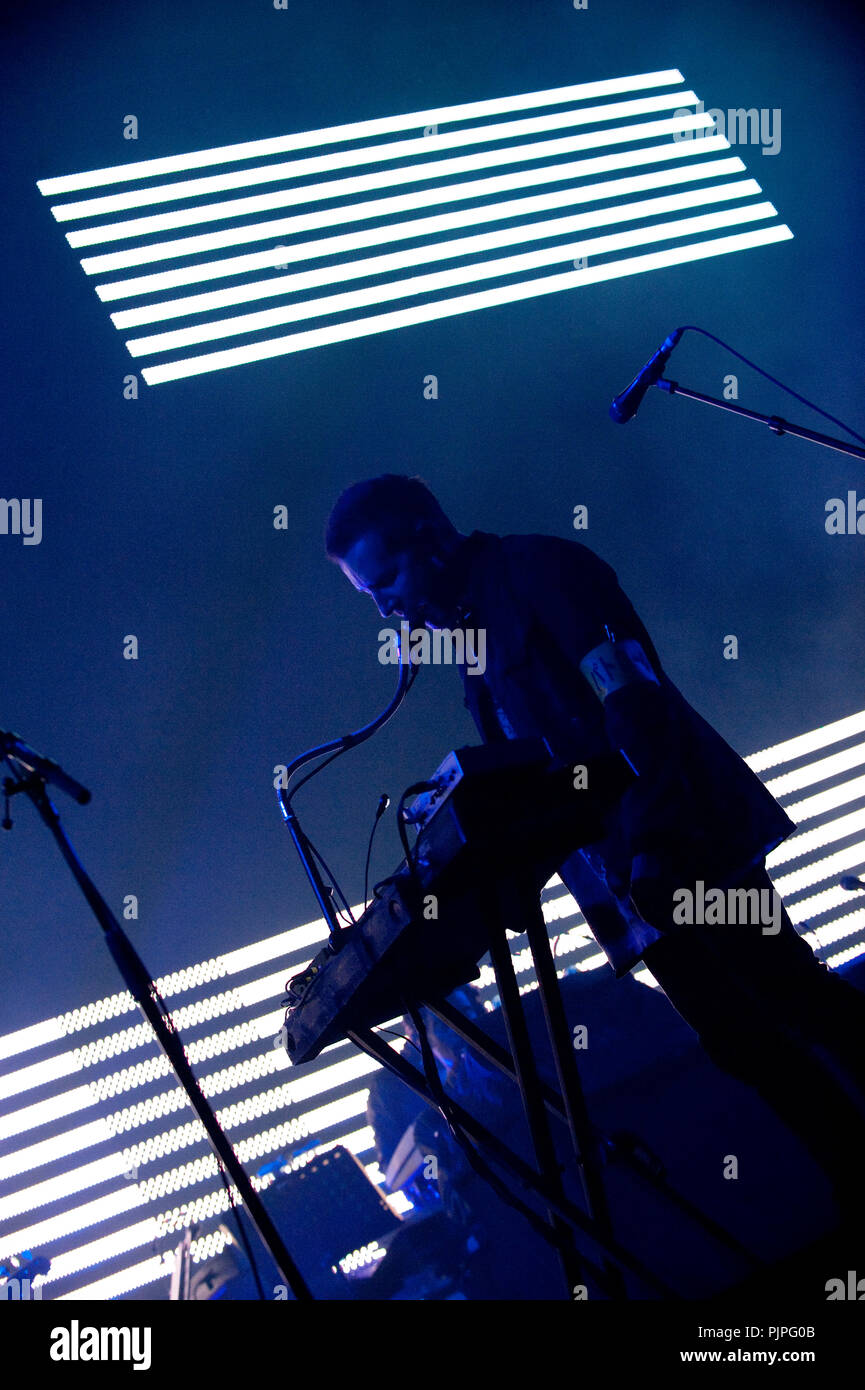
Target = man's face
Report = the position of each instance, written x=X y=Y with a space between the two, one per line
x=407 y=581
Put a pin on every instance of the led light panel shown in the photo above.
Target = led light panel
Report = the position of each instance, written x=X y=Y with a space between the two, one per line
x=360 y=187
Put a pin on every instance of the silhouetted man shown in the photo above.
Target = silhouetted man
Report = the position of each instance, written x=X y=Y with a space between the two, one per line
x=568 y=659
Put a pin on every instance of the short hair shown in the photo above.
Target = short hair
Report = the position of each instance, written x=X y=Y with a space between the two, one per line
x=388 y=505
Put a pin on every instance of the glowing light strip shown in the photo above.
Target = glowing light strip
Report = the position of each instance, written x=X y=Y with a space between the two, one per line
x=827 y=900
x=284 y=943
x=356 y=130
x=839 y=930
x=375 y=154
x=842 y=957
x=107 y=1247
x=124 y=1281
x=507 y=265
x=808 y=841
x=35 y=1035
x=464 y=304
x=798 y=747
x=829 y=867
x=398 y=260
x=39 y=1074
x=62 y=1146
x=113 y=1165
x=582 y=168
x=817 y=772
x=43 y=1112
x=812 y=806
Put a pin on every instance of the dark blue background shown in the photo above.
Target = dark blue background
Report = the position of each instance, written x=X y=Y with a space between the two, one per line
x=158 y=512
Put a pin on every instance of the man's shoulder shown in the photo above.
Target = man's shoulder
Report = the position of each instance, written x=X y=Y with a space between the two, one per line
x=555 y=552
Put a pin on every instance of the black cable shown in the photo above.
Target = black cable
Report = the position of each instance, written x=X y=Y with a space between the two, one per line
x=392 y=1034
x=383 y=803
x=334 y=883
x=695 y=328
x=289 y=793
x=314 y=773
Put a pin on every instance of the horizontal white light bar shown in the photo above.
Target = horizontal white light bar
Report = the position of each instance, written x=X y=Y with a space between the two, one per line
x=123 y=1281
x=819 y=771
x=161 y=281
x=425 y=313
x=356 y=130
x=830 y=866
x=39 y=1074
x=839 y=930
x=35 y=1035
x=827 y=900
x=840 y=958
x=67 y=1222
x=72 y=1141
x=798 y=747
x=809 y=840
x=350 y=300
x=415 y=255
x=43 y=1112
x=821 y=802
x=107 y=1247
x=113 y=1165
x=281 y=944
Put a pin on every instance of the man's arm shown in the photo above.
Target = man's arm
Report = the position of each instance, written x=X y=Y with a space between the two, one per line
x=577 y=598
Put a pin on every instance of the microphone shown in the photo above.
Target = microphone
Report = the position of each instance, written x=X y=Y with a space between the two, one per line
x=626 y=405
x=851 y=884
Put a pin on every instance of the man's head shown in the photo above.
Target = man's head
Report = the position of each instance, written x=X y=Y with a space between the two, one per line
x=392 y=540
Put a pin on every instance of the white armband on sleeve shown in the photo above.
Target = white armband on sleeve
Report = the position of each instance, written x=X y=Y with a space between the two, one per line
x=613 y=665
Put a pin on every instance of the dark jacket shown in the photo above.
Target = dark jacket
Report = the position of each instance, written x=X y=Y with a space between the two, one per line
x=696 y=809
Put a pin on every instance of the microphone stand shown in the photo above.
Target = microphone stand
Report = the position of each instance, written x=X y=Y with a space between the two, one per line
x=775 y=423
x=144 y=991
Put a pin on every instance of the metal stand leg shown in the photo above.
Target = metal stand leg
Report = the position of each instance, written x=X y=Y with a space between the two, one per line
x=533 y=1105
x=569 y=1080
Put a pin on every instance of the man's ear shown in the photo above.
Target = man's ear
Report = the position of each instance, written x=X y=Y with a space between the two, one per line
x=426 y=535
